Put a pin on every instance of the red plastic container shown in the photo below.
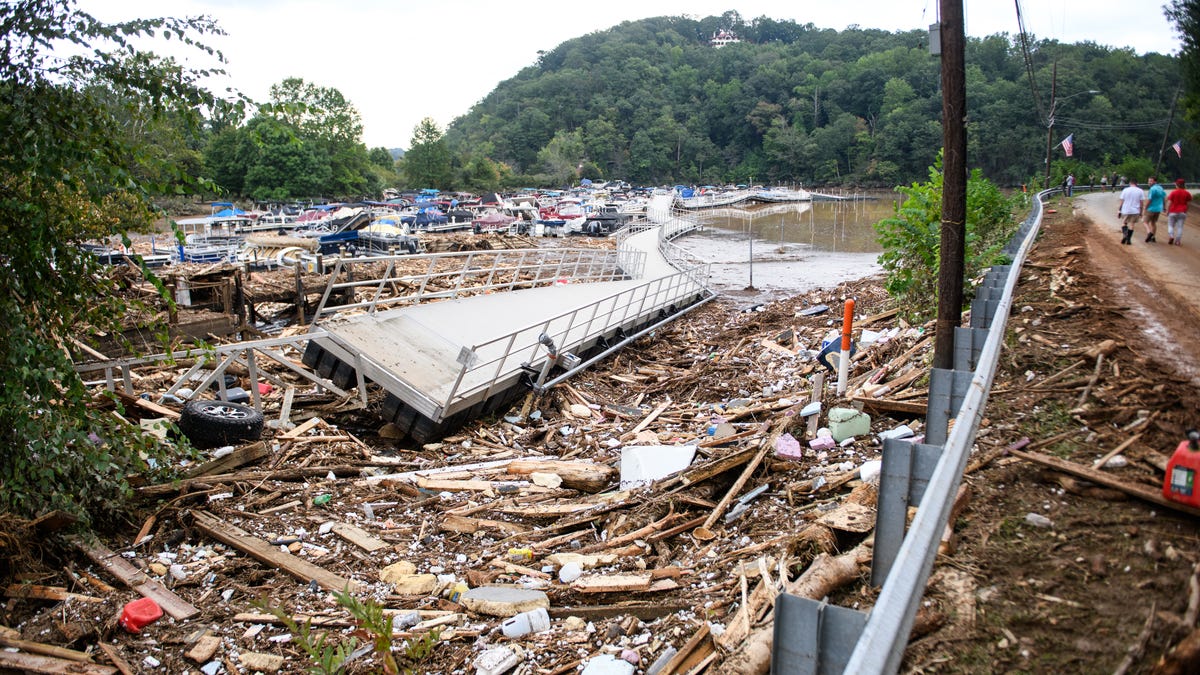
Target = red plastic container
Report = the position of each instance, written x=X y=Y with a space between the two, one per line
x=1179 y=485
x=137 y=614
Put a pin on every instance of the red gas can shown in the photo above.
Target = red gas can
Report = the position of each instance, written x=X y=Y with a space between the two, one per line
x=1180 y=483
x=137 y=614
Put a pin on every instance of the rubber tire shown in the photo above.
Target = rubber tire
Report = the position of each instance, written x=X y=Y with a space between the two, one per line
x=209 y=424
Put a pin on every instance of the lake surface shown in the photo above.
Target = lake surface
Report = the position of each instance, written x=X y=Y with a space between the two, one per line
x=770 y=251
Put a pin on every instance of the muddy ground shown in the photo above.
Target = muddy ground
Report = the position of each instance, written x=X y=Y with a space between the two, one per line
x=1007 y=596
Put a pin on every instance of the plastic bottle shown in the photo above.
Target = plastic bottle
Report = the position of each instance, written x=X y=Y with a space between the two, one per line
x=1179 y=485
x=533 y=621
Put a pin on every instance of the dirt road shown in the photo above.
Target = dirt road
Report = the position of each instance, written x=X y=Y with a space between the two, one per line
x=1159 y=283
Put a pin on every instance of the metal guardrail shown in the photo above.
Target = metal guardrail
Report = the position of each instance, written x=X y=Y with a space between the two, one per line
x=451 y=275
x=814 y=637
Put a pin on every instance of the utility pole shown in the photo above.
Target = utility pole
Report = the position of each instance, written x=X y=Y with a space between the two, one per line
x=954 y=182
x=1050 y=121
x=1167 y=134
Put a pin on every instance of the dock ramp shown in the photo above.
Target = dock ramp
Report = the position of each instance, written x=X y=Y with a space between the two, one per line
x=527 y=319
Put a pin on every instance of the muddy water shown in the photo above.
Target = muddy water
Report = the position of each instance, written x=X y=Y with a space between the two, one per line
x=770 y=251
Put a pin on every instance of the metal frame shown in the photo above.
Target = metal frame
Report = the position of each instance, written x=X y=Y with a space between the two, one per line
x=446 y=275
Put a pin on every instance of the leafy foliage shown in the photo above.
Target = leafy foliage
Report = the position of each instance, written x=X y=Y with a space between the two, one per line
x=427 y=163
x=654 y=103
x=77 y=163
x=373 y=625
x=911 y=239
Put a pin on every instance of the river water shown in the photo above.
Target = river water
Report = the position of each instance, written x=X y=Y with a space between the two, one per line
x=769 y=251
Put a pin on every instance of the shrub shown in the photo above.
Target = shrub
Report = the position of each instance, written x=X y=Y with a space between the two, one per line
x=911 y=239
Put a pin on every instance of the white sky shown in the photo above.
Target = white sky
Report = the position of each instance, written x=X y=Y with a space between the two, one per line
x=399 y=61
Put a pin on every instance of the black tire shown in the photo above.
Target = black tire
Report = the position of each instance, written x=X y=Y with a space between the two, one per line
x=210 y=424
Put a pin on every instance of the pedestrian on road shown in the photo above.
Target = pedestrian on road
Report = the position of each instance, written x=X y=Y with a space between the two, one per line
x=1155 y=201
x=1104 y=182
x=1177 y=206
x=1070 y=184
x=1130 y=211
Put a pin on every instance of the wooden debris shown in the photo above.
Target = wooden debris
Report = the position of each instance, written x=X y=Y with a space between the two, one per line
x=132 y=577
x=53 y=593
x=613 y=583
x=583 y=476
x=12 y=638
x=246 y=454
x=204 y=649
x=260 y=550
x=359 y=537
x=1153 y=496
x=34 y=663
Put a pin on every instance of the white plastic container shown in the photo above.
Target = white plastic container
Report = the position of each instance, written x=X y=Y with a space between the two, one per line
x=570 y=572
x=533 y=621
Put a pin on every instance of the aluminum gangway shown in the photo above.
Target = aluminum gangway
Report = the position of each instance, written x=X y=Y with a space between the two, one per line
x=543 y=314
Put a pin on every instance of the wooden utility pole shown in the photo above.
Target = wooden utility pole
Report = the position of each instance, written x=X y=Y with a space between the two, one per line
x=954 y=182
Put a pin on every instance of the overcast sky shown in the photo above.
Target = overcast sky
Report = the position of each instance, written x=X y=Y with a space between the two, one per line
x=399 y=61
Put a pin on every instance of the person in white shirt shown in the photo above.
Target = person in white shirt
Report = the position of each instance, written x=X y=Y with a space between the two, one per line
x=1130 y=211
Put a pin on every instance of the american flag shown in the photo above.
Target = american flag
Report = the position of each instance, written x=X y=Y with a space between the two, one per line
x=1177 y=146
x=1068 y=145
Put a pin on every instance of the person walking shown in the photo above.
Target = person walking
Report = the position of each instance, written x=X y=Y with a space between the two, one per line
x=1130 y=211
x=1156 y=197
x=1070 y=184
x=1177 y=206
x=1104 y=182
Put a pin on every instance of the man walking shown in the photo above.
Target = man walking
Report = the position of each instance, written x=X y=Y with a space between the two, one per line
x=1155 y=199
x=1070 y=184
x=1177 y=206
x=1130 y=211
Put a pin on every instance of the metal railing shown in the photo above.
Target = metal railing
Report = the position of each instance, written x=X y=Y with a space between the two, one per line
x=486 y=365
x=814 y=637
x=408 y=279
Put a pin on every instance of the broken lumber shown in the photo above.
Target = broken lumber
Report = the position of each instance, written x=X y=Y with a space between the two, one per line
x=231 y=535
x=239 y=457
x=1153 y=496
x=135 y=579
x=583 y=476
x=33 y=663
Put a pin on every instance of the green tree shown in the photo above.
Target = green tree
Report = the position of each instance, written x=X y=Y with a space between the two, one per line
x=69 y=173
x=911 y=239
x=323 y=117
x=427 y=162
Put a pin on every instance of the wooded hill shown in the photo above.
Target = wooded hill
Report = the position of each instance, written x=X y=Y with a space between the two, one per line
x=652 y=102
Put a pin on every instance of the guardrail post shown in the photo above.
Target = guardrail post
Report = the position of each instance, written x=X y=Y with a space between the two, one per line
x=813 y=637
x=947 y=389
x=903 y=478
x=968 y=344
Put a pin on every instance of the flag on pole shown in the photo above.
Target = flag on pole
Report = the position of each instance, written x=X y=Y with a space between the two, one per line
x=1068 y=145
x=1177 y=146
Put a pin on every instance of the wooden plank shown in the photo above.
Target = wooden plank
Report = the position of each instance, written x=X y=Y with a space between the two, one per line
x=645 y=611
x=239 y=457
x=53 y=593
x=450 y=485
x=260 y=550
x=34 y=663
x=1107 y=480
x=203 y=650
x=111 y=652
x=123 y=570
x=886 y=405
x=612 y=583
x=359 y=537
x=454 y=523
x=11 y=638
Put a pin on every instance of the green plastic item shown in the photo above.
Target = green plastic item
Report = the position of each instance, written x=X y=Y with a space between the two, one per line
x=847 y=422
x=322 y=500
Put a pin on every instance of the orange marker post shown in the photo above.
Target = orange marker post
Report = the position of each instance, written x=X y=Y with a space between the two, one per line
x=844 y=360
